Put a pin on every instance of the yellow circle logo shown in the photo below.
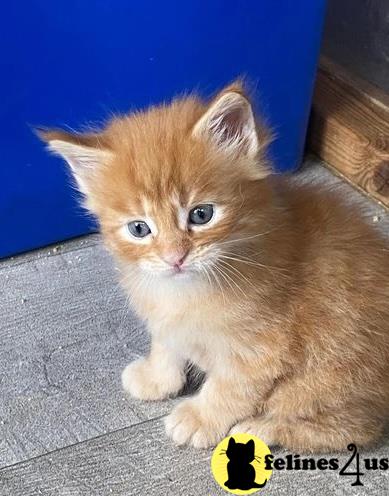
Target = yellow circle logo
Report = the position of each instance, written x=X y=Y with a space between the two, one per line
x=238 y=464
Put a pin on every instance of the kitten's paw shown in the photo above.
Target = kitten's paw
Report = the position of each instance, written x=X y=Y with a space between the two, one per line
x=186 y=425
x=261 y=427
x=145 y=383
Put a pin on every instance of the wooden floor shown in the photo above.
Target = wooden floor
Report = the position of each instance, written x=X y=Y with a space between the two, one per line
x=66 y=428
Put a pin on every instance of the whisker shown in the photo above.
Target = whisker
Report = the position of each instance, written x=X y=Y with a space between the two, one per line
x=234 y=275
x=218 y=282
x=248 y=237
x=248 y=262
x=229 y=279
x=238 y=273
x=252 y=263
x=238 y=257
x=205 y=271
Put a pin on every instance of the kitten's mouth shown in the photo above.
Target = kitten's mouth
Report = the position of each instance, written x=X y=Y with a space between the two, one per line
x=178 y=271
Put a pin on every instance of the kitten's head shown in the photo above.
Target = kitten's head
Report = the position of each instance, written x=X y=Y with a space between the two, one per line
x=172 y=184
x=241 y=452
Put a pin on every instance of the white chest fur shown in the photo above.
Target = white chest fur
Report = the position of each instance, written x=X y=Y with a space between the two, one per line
x=191 y=320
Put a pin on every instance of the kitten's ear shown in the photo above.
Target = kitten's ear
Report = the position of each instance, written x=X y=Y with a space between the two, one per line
x=84 y=153
x=231 y=443
x=251 y=447
x=229 y=123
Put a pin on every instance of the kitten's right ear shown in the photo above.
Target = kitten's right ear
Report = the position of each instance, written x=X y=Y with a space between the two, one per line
x=84 y=153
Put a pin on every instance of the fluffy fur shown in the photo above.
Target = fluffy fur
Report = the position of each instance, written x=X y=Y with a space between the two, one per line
x=282 y=298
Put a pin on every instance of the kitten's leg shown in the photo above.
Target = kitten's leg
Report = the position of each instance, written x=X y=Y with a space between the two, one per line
x=324 y=432
x=262 y=426
x=156 y=377
x=205 y=419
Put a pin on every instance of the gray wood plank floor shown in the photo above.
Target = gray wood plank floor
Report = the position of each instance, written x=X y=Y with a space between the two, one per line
x=66 y=428
x=137 y=460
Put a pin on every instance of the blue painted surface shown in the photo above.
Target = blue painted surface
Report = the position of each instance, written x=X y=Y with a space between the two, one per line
x=70 y=62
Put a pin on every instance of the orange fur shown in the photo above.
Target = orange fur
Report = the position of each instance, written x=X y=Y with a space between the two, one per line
x=285 y=304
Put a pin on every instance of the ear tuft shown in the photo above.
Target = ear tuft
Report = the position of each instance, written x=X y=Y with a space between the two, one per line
x=229 y=124
x=84 y=153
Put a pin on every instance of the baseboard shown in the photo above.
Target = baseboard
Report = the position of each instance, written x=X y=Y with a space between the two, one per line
x=349 y=129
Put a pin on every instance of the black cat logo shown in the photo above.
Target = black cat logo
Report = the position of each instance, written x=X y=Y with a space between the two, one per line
x=241 y=474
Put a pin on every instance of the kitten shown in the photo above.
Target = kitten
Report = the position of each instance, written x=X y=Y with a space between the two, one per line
x=241 y=474
x=278 y=291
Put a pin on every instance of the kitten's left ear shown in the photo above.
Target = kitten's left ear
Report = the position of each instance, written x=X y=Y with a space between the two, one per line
x=84 y=153
x=251 y=446
x=231 y=442
x=230 y=125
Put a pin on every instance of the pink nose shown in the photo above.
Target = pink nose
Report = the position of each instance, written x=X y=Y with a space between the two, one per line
x=175 y=258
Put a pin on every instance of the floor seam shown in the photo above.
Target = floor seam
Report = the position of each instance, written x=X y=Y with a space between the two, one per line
x=122 y=429
x=44 y=257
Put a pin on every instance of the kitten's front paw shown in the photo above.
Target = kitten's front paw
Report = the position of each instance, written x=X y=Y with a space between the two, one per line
x=186 y=425
x=261 y=427
x=145 y=383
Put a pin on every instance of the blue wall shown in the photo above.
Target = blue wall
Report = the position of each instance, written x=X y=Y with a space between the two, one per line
x=70 y=62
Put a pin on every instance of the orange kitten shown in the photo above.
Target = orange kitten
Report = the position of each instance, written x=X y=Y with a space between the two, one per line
x=278 y=291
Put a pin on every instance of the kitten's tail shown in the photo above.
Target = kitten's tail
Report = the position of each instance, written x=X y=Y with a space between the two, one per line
x=254 y=484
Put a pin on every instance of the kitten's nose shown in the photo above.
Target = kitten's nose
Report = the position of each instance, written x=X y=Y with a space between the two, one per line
x=175 y=258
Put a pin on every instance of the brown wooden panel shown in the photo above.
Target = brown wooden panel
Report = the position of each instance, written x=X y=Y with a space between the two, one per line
x=349 y=129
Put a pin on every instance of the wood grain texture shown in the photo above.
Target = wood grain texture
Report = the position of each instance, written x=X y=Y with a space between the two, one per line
x=131 y=461
x=66 y=332
x=349 y=129
x=139 y=460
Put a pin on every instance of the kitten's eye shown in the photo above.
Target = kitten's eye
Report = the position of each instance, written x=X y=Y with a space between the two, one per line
x=201 y=214
x=138 y=228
